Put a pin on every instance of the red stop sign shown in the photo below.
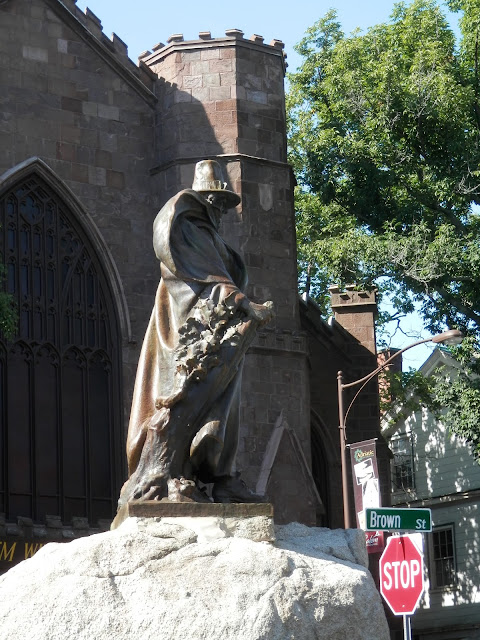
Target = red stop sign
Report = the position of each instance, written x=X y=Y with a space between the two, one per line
x=401 y=575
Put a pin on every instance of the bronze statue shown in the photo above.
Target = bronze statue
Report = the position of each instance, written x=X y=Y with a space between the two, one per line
x=184 y=422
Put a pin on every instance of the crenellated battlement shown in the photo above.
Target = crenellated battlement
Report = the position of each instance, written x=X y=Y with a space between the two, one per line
x=94 y=25
x=117 y=49
x=232 y=37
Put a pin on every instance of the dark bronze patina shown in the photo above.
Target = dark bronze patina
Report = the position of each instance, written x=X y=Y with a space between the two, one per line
x=184 y=422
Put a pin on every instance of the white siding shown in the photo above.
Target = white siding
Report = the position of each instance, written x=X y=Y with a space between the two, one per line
x=447 y=479
x=442 y=461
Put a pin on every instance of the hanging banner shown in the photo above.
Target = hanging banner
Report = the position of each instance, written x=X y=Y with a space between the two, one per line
x=366 y=489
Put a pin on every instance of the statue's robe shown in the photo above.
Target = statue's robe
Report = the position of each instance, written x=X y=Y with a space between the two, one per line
x=195 y=263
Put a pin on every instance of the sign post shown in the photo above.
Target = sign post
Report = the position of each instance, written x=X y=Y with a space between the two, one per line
x=407 y=628
x=401 y=578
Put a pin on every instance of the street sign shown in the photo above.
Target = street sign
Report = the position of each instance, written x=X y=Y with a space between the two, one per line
x=401 y=575
x=397 y=519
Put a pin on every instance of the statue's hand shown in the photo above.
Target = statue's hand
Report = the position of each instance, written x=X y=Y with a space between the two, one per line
x=262 y=313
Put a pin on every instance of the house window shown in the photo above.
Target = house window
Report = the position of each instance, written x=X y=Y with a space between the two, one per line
x=442 y=558
x=403 y=477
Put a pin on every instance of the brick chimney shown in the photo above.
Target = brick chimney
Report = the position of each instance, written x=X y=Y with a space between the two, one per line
x=356 y=311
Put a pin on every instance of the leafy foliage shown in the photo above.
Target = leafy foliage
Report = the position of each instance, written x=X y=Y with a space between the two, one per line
x=384 y=135
x=460 y=393
x=8 y=311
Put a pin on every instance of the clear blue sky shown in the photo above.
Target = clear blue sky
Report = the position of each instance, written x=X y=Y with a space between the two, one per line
x=143 y=24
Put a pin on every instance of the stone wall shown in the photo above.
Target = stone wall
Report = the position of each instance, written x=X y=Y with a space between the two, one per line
x=79 y=104
x=75 y=101
x=120 y=139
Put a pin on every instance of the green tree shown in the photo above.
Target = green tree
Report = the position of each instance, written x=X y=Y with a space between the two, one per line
x=8 y=311
x=384 y=136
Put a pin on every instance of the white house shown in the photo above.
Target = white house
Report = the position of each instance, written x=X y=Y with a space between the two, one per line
x=433 y=468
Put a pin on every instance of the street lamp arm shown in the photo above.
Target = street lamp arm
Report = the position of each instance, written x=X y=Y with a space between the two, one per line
x=453 y=336
x=382 y=366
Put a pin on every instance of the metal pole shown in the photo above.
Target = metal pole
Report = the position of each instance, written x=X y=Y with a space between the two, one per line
x=343 y=452
x=407 y=628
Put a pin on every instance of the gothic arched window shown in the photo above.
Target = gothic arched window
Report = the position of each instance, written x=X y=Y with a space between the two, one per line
x=59 y=377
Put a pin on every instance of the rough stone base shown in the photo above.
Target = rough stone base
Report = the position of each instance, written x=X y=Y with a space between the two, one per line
x=156 y=578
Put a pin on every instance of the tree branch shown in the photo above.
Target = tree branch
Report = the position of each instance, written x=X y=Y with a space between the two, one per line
x=454 y=301
x=476 y=107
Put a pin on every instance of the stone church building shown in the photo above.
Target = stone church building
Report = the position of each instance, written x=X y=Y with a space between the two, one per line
x=91 y=146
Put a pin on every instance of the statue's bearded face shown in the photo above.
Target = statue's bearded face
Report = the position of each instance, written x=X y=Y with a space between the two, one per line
x=217 y=200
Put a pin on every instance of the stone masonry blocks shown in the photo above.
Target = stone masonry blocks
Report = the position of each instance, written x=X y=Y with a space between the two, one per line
x=230 y=74
x=244 y=119
x=69 y=108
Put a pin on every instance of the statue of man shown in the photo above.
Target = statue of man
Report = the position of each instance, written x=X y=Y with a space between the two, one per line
x=184 y=422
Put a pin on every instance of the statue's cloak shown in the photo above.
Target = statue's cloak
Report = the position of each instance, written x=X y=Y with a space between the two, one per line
x=195 y=264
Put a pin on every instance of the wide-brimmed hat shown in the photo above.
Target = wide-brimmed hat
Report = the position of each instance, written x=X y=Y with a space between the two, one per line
x=208 y=178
